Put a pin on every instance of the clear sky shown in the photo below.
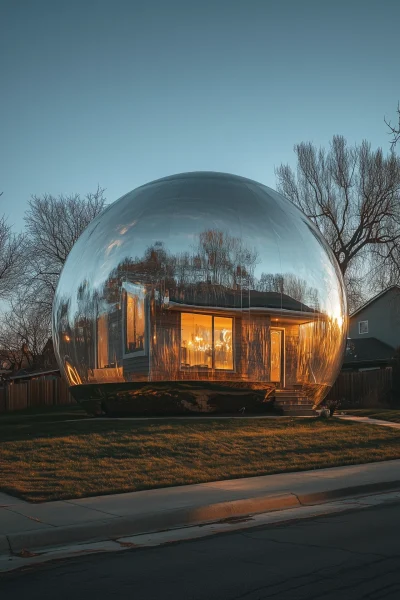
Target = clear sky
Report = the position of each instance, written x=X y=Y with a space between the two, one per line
x=121 y=92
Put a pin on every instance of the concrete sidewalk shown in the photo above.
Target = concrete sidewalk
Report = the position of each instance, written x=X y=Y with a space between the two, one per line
x=369 y=421
x=26 y=527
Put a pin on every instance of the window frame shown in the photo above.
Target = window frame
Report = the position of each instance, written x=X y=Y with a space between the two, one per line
x=359 y=327
x=96 y=337
x=213 y=368
x=283 y=354
x=126 y=288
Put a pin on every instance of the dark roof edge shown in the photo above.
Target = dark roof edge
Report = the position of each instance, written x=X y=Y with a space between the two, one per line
x=367 y=339
x=259 y=309
x=369 y=361
x=35 y=374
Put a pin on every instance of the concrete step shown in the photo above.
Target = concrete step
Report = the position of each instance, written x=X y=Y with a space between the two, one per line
x=296 y=401
x=292 y=395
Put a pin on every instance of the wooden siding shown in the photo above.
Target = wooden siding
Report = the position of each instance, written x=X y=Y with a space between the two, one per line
x=165 y=345
x=255 y=348
x=136 y=368
x=252 y=350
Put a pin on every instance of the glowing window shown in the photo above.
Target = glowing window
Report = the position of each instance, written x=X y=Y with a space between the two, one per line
x=134 y=317
x=223 y=353
x=206 y=342
x=102 y=341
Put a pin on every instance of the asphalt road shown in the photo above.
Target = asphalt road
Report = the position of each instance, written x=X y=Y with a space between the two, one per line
x=353 y=555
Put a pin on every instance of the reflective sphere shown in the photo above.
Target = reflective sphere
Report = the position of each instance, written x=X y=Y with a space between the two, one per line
x=199 y=292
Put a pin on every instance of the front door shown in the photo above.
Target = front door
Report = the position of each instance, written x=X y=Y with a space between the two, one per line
x=277 y=356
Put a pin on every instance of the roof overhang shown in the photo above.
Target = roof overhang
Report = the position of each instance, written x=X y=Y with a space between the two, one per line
x=32 y=375
x=279 y=313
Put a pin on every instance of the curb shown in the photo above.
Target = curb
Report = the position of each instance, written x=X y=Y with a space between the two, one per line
x=356 y=490
x=117 y=527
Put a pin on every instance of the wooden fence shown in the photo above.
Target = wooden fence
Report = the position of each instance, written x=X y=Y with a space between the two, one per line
x=363 y=389
x=352 y=388
x=34 y=393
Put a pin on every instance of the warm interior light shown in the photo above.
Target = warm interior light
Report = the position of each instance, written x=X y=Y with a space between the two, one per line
x=198 y=332
x=135 y=322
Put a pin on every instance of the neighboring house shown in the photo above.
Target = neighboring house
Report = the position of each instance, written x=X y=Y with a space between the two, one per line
x=374 y=331
x=12 y=361
x=48 y=358
x=22 y=360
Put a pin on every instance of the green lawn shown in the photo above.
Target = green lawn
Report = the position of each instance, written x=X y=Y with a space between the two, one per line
x=42 y=461
x=385 y=414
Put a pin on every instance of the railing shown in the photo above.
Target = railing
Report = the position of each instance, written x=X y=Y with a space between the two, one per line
x=34 y=393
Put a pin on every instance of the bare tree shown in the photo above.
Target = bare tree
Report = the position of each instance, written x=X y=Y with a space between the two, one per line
x=53 y=225
x=224 y=258
x=394 y=130
x=291 y=285
x=12 y=257
x=352 y=194
x=360 y=271
x=24 y=332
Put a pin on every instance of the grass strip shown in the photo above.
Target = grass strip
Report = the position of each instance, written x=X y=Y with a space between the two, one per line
x=60 y=460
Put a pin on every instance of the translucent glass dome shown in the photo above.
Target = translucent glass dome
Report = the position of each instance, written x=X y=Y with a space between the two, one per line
x=197 y=282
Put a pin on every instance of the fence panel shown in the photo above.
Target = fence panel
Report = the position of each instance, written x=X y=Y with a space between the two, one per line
x=3 y=398
x=363 y=389
x=62 y=394
x=34 y=394
x=353 y=388
x=17 y=397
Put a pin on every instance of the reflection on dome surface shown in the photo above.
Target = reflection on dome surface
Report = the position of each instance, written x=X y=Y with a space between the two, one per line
x=199 y=292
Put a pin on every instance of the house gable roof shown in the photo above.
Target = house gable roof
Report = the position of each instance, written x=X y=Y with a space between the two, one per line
x=371 y=300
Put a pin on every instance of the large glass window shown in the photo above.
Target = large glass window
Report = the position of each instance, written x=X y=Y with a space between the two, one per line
x=108 y=339
x=102 y=341
x=206 y=342
x=134 y=317
x=223 y=353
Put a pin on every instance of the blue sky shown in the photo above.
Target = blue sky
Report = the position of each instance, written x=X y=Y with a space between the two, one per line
x=122 y=92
